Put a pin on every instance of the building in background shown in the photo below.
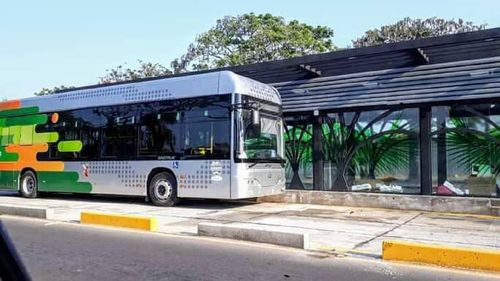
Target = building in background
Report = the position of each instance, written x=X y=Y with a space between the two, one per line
x=415 y=117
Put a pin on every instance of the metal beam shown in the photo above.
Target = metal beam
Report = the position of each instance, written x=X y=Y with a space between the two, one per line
x=425 y=150
x=312 y=70
x=422 y=57
x=317 y=154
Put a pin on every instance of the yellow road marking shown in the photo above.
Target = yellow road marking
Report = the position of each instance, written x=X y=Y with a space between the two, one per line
x=118 y=220
x=442 y=255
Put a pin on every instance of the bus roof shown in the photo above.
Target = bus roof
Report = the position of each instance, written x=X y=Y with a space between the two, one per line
x=205 y=84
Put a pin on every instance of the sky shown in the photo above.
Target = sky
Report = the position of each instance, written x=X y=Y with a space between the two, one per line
x=51 y=43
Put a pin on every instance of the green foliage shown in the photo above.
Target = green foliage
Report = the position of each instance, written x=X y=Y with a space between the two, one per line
x=123 y=73
x=468 y=146
x=411 y=29
x=47 y=91
x=366 y=149
x=255 y=145
x=298 y=150
x=250 y=38
x=386 y=153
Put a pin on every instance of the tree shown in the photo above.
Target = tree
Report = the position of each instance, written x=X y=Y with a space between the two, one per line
x=411 y=29
x=123 y=73
x=48 y=91
x=250 y=38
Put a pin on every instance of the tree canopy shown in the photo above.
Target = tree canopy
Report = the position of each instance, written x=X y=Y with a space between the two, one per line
x=49 y=91
x=250 y=38
x=123 y=73
x=411 y=29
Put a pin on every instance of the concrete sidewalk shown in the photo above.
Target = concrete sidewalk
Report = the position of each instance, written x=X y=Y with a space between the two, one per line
x=330 y=228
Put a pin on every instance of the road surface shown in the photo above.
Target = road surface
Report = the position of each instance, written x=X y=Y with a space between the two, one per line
x=64 y=251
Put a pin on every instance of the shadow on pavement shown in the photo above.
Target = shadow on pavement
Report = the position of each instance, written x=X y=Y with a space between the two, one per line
x=98 y=198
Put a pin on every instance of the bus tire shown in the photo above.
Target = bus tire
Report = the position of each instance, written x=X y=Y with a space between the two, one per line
x=28 y=185
x=162 y=190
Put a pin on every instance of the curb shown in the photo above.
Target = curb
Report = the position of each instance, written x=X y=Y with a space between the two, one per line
x=254 y=233
x=119 y=220
x=33 y=212
x=447 y=256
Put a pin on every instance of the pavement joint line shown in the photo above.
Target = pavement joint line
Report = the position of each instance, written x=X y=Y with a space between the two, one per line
x=300 y=227
x=386 y=232
x=491 y=217
x=493 y=223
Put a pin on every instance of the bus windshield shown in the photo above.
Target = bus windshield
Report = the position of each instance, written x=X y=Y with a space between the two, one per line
x=262 y=141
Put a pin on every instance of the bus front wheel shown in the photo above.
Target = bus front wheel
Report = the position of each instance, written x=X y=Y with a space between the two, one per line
x=162 y=190
x=28 y=185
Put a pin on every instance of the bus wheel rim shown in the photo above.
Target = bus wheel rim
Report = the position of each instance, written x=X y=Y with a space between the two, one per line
x=28 y=185
x=163 y=189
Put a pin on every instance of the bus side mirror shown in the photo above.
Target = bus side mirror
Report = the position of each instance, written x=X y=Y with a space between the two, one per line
x=256 y=117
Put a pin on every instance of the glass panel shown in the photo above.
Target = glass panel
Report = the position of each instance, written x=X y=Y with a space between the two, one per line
x=261 y=142
x=81 y=124
x=371 y=151
x=466 y=150
x=119 y=134
x=207 y=128
x=298 y=151
x=160 y=134
x=207 y=140
x=88 y=123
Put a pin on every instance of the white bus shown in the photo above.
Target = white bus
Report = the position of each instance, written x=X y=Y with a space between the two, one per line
x=211 y=135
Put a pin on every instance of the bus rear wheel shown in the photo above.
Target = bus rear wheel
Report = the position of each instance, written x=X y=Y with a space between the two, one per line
x=28 y=185
x=162 y=190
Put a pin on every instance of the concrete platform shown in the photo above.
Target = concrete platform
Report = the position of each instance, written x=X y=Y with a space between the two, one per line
x=338 y=229
x=427 y=203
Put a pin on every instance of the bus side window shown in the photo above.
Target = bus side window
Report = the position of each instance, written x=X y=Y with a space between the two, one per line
x=159 y=134
x=171 y=131
x=207 y=131
x=149 y=136
x=119 y=135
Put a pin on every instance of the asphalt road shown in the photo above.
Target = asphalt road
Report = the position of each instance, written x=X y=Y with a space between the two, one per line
x=62 y=251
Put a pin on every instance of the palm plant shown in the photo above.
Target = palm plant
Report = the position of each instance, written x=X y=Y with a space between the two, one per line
x=387 y=153
x=355 y=148
x=468 y=145
x=298 y=150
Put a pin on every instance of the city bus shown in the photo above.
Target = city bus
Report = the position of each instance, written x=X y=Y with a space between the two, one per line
x=208 y=135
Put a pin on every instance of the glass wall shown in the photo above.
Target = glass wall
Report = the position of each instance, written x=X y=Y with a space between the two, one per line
x=466 y=150
x=371 y=151
x=384 y=150
x=298 y=151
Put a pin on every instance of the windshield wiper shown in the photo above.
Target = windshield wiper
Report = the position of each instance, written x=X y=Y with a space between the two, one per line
x=267 y=160
x=257 y=161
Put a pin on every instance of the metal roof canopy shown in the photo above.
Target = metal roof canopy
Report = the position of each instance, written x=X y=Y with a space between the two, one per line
x=434 y=50
x=438 y=65
x=409 y=86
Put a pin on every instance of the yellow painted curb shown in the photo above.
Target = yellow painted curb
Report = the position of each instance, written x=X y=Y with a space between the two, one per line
x=128 y=221
x=441 y=255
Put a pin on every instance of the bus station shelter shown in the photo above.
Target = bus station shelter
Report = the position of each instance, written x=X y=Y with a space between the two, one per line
x=414 y=117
